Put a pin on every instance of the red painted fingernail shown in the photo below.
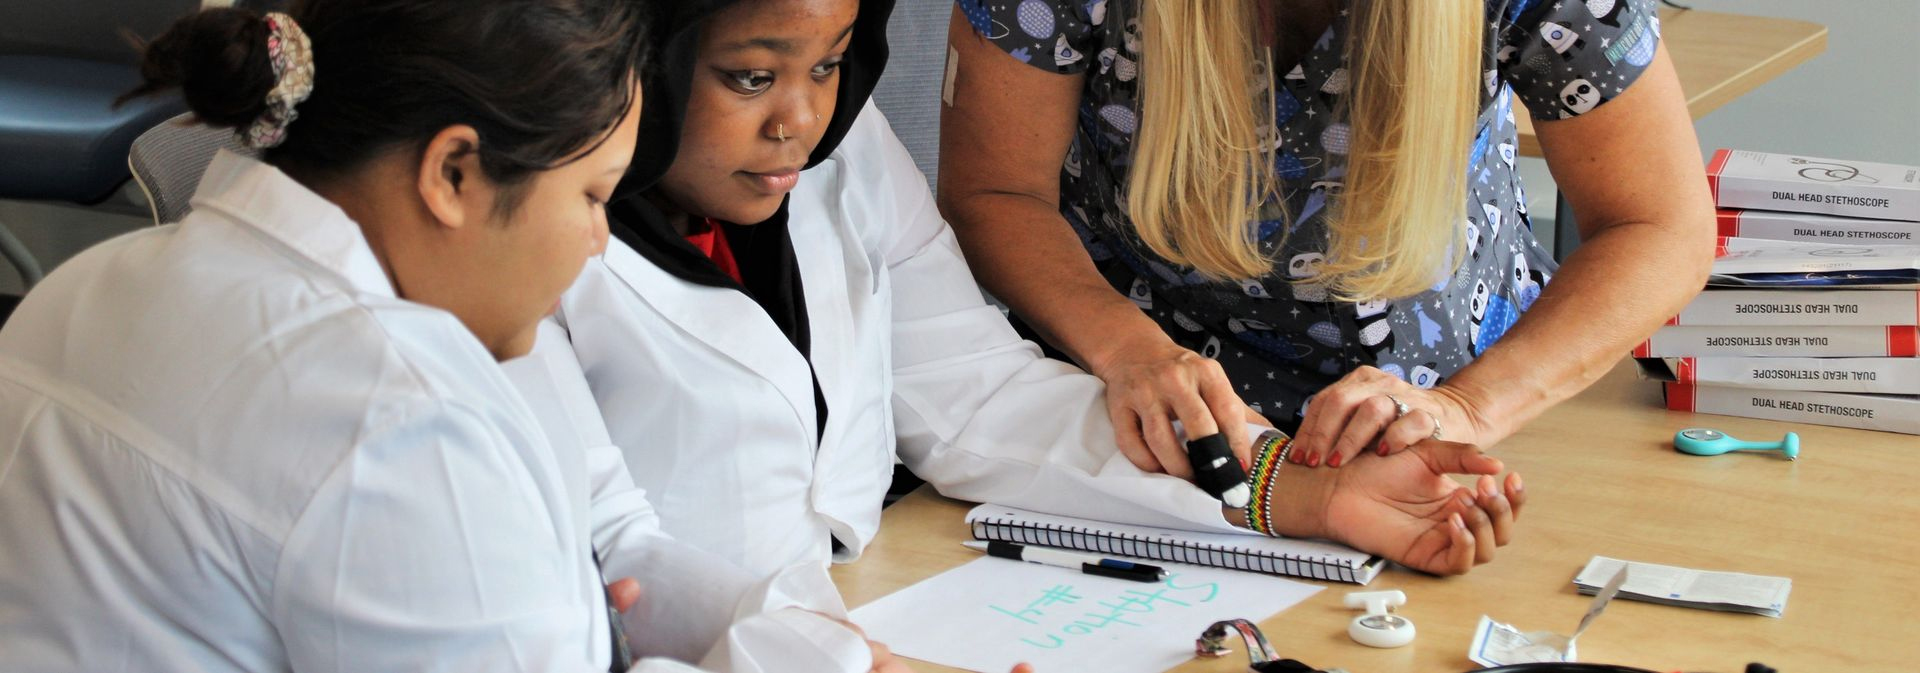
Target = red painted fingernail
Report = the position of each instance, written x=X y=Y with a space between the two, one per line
x=1334 y=461
x=1313 y=459
x=1244 y=465
x=1383 y=447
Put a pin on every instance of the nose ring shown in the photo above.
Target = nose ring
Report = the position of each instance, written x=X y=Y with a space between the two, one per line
x=781 y=131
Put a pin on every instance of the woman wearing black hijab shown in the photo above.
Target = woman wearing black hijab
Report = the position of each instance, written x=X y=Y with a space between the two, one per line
x=782 y=307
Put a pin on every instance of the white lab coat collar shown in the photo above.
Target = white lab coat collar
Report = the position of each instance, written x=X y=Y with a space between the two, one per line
x=728 y=321
x=261 y=197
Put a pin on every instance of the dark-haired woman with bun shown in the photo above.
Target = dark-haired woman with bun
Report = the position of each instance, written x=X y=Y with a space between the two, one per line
x=290 y=433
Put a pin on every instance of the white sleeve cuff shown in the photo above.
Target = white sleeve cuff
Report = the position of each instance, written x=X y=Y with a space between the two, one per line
x=788 y=623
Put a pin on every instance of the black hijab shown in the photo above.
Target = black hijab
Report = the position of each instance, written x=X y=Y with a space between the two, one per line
x=764 y=250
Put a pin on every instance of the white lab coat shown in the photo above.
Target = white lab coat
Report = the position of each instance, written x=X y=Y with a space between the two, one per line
x=227 y=445
x=715 y=411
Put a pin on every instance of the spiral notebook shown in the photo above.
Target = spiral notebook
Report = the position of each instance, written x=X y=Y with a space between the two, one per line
x=1276 y=556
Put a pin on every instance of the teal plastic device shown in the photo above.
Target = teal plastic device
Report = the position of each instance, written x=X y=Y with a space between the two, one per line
x=1710 y=442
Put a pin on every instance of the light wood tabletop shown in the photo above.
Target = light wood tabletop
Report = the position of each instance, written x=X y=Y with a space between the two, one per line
x=1843 y=522
x=1720 y=57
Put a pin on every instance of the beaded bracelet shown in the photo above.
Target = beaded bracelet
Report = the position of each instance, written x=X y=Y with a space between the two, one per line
x=1270 y=452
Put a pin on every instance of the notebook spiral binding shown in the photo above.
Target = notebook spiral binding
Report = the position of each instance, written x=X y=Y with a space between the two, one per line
x=1179 y=551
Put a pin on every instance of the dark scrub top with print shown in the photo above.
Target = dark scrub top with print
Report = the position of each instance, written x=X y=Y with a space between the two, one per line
x=1280 y=341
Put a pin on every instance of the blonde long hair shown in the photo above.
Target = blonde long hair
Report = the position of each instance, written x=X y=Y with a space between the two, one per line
x=1203 y=163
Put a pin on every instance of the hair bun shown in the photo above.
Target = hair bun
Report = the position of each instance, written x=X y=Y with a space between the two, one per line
x=218 y=59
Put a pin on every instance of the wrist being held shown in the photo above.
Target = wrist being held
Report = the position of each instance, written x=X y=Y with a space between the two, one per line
x=1288 y=501
x=1404 y=506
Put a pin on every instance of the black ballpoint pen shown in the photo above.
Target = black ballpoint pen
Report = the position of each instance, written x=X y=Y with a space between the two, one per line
x=1087 y=563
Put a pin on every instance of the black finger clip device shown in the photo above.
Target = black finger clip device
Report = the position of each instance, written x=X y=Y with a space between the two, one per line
x=1217 y=471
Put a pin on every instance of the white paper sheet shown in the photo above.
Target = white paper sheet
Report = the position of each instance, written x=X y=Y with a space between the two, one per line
x=992 y=613
x=1685 y=587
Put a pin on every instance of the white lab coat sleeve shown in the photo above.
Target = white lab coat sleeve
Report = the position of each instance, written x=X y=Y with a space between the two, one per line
x=694 y=605
x=978 y=411
x=783 y=639
x=689 y=597
x=790 y=622
x=398 y=562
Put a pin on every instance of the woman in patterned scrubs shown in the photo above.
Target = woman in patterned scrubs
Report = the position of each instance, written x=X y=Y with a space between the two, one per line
x=1040 y=136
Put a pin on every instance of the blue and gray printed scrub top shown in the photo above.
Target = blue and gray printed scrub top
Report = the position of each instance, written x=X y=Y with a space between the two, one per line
x=1280 y=341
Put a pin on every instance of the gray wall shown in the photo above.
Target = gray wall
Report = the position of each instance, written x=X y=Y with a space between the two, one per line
x=1859 y=100
x=909 y=91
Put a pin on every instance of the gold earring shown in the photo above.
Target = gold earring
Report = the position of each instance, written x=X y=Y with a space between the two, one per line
x=781 y=130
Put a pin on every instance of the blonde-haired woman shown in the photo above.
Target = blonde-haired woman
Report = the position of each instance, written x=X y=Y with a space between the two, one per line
x=1229 y=208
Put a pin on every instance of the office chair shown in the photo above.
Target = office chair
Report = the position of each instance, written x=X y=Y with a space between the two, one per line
x=61 y=66
x=168 y=160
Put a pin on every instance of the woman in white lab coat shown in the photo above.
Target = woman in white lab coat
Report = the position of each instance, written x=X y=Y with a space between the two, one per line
x=761 y=379
x=278 y=436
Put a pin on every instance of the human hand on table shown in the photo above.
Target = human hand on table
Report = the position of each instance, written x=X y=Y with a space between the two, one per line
x=885 y=662
x=1405 y=507
x=1155 y=382
x=625 y=592
x=1360 y=413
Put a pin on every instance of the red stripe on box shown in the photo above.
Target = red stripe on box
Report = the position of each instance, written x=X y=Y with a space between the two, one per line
x=1729 y=220
x=1903 y=341
x=1714 y=167
x=1680 y=397
x=1642 y=350
x=1684 y=372
x=1719 y=247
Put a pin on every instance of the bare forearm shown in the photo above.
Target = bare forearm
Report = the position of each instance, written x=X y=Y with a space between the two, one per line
x=1003 y=136
x=1024 y=252
x=1613 y=292
x=1631 y=171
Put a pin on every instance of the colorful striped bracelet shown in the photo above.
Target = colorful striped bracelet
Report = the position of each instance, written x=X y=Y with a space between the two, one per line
x=1270 y=452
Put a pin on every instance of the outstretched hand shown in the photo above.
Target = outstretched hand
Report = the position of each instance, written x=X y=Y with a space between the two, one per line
x=1404 y=507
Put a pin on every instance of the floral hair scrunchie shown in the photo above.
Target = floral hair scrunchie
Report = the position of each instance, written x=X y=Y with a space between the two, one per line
x=292 y=57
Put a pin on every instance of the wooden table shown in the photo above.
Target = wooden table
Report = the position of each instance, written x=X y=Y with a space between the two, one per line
x=1720 y=57
x=1843 y=522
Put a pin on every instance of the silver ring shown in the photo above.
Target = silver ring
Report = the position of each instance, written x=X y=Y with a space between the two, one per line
x=1436 y=425
x=1400 y=408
